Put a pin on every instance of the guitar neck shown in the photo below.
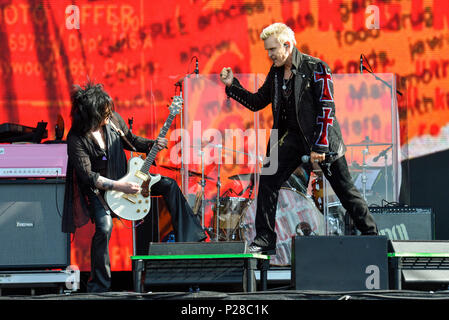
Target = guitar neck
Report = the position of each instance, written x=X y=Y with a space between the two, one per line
x=153 y=152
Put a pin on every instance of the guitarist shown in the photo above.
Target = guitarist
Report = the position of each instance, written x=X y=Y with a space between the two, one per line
x=96 y=160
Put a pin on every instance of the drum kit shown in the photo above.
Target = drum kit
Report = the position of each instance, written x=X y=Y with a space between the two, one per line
x=227 y=204
x=227 y=211
x=367 y=143
x=233 y=214
x=236 y=220
x=297 y=213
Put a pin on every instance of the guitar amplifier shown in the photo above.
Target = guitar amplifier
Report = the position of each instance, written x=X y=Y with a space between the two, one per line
x=405 y=223
x=30 y=224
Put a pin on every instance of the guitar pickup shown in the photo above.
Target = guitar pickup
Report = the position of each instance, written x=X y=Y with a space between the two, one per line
x=127 y=197
x=141 y=175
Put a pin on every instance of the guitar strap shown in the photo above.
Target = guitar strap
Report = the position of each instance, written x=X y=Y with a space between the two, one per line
x=122 y=134
x=102 y=201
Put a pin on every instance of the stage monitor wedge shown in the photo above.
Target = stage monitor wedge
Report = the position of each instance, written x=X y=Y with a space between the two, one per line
x=339 y=263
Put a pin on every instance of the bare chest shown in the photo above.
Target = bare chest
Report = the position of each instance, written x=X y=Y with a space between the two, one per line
x=99 y=138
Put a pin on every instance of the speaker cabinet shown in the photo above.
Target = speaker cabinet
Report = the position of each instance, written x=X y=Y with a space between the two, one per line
x=404 y=223
x=30 y=224
x=339 y=263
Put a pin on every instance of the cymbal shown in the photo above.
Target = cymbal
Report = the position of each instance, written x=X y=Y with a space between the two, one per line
x=169 y=167
x=242 y=176
x=368 y=142
x=355 y=167
x=199 y=175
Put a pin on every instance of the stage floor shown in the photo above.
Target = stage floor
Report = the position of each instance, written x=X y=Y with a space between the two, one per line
x=271 y=295
x=275 y=303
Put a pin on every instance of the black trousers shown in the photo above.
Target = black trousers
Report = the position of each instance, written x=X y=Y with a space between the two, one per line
x=185 y=224
x=288 y=159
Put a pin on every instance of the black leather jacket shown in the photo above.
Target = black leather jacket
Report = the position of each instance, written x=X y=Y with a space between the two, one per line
x=314 y=100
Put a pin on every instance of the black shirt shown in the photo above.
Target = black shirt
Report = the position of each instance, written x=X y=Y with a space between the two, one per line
x=288 y=120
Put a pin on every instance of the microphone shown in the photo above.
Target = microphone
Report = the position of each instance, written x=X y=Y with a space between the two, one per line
x=361 y=63
x=179 y=82
x=197 y=70
x=382 y=153
x=306 y=158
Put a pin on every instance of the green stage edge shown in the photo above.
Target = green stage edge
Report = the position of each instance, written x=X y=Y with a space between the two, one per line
x=418 y=254
x=266 y=257
x=201 y=256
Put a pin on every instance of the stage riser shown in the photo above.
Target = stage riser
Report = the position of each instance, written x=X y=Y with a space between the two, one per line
x=418 y=263
x=199 y=263
x=188 y=273
x=179 y=248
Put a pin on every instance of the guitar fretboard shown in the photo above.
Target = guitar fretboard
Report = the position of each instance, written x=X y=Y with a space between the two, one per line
x=153 y=152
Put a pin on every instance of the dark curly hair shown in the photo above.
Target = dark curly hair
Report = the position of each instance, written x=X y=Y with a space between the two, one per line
x=90 y=106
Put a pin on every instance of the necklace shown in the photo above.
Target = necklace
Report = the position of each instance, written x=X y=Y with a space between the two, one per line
x=286 y=81
x=287 y=87
x=284 y=86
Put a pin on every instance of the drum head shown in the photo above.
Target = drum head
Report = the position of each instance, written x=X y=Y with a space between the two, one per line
x=230 y=218
x=293 y=208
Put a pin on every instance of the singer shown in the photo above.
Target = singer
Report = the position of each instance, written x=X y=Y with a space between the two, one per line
x=300 y=90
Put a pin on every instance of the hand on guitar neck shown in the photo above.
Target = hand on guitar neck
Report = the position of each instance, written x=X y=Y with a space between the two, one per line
x=161 y=143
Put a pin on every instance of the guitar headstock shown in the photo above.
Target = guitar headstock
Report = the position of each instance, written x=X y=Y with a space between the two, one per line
x=176 y=105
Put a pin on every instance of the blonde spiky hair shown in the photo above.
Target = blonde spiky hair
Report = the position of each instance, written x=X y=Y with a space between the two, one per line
x=281 y=31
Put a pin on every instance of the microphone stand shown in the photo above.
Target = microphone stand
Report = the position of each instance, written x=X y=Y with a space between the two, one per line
x=184 y=179
x=182 y=170
x=325 y=205
x=364 y=165
x=383 y=153
x=391 y=91
x=130 y=124
x=381 y=80
x=203 y=186
x=220 y=147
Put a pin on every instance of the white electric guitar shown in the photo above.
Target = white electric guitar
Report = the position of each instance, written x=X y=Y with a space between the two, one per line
x=136 y=206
